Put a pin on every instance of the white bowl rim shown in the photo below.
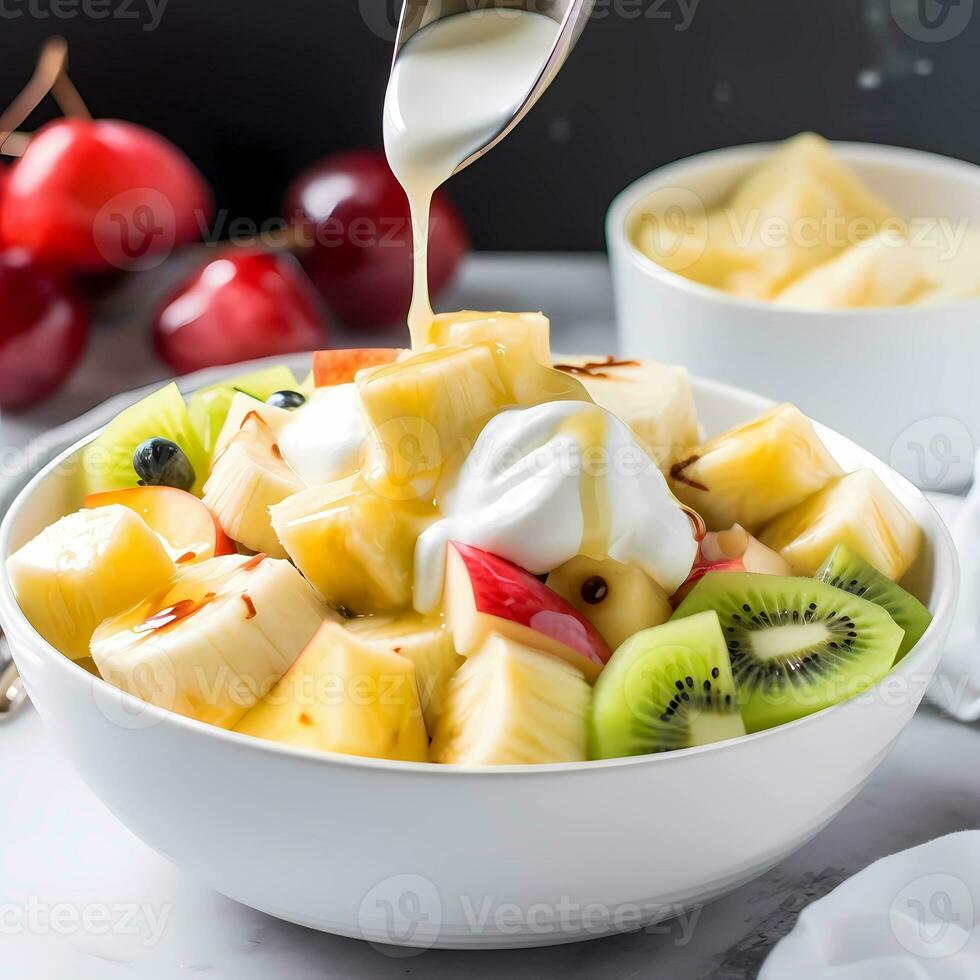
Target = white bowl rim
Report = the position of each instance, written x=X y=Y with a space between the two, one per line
x=625 y=203
x=945 y=570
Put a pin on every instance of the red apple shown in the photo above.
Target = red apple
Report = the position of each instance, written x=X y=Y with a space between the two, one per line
x=486 y=594
x=94 y=195
x=356 y=233
x=190 y=531
x=43 y=330
x=246 y=303
x=338 y=367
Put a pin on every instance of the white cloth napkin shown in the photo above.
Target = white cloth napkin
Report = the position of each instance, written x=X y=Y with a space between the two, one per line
x=911 y=916
x=956 y=688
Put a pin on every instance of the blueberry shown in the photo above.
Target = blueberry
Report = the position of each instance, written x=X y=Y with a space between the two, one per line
x=162 y=463
x=288 y=400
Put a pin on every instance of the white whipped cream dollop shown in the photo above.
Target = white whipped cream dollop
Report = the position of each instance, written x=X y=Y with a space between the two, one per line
x=544 y=484
x=325 y=438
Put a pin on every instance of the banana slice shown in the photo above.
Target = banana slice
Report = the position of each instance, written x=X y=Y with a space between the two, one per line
x=654 y=400
x=248 y=478
x=214 y=642
x=86 y=567
x=512 y=705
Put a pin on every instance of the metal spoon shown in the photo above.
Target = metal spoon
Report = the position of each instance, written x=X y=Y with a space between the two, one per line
x=13 y=694
x=573 y=15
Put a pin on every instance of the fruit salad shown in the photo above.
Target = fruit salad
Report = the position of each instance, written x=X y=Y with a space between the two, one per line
x=802 y=230
x=473 y=553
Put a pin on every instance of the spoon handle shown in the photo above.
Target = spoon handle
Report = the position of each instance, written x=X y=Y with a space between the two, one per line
x=13 y=695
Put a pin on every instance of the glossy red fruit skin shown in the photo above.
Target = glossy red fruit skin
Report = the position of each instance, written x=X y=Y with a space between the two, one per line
x=357 y=237
x=507 y=593
x=43 y=330
x=94 y=195
x=241 y=305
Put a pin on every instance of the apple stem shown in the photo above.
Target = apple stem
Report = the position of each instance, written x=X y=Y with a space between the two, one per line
x=16 y=144
x=49 y=78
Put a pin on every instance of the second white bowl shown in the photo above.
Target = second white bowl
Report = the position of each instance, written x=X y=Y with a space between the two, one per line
x=900 y=381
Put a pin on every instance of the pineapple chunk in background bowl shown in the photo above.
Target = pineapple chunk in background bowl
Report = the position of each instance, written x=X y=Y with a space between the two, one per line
x=883 y=375
x=335 y=840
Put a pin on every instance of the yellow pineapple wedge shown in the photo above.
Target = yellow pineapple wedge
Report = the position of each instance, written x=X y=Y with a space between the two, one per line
x=857 y=510
x=354 y=545
x=425 y=412
x=886 y=270
x=344 y=695
x=531 y=330
x=753 y=472
x=86 y=567
x=242 y=406
x=427 y=642
x=510 y=704
x=654 y=400
x=247 y=478
x=618 y=600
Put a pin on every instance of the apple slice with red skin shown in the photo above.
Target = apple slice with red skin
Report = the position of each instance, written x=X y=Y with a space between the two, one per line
x=486 y=594
x=338 y=367
x=188 y=529
x=734 y=550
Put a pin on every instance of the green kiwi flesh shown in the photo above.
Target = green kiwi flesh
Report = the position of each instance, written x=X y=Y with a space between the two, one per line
x=668 y=687
x=796 y=645
x=107 y=462
x=844 y=569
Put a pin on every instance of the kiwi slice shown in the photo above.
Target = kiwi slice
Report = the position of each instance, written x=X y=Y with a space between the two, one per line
x=796 y=645
x=847 y=570
x=208 y=407
x=665 y=688
x=107 y=462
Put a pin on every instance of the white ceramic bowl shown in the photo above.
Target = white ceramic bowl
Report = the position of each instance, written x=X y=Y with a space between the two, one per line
x=460 y=857
x=901 y=382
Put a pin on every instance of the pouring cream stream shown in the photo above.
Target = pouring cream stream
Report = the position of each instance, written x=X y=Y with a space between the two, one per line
x=454 y=87
x=544 y=482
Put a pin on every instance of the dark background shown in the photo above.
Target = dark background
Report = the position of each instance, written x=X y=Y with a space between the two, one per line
x=254 y=90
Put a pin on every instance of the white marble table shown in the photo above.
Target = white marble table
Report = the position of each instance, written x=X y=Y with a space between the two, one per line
x=80 y=897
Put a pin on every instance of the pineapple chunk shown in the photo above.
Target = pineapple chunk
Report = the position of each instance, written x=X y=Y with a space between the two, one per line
x=654 y=400
x=425 y=641
x=510 y=329
x=355 y=546
x=618 y=600
x=246 y=480
x=857 y=510
x=242 y=406
x=427 y=411
x=86 y=567
x=885 y=270
x=512 y=705
x=754 y=472
x=797 y=210
x=343 y=695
